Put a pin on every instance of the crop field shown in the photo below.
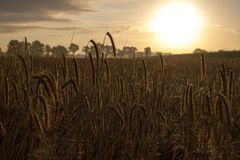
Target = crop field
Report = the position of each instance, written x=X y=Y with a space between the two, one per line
x=157 y=108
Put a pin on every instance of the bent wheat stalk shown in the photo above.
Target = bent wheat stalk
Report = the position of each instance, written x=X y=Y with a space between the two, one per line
x=112 y=42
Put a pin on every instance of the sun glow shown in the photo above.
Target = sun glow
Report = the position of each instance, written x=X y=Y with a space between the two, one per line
x=177 y=24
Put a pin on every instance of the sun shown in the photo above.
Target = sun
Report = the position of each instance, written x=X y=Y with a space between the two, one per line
x=177 y=24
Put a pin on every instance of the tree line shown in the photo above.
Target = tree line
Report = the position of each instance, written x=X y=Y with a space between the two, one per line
x=37 y=48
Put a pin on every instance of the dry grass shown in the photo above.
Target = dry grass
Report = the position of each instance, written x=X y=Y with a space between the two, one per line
x=177 y=107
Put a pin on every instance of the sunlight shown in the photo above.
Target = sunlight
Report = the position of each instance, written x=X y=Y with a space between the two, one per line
x=177 y=24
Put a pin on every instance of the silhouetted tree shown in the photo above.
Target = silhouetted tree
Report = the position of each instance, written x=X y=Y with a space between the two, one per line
x=14 y=47
x=120 y=53
x=73 y=48
x=48 y=49
x=129 y=51
x=100 y=49
x=107 y=50
x=85 y=50
x=91 y=49
x=148 y=51
x=59 y=50
x=199 y=51
x=37 y=48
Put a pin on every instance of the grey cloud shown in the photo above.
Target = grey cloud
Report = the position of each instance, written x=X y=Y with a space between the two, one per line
x=19 y=6
x=26 y=17
x=14 y=29
x=39 y=10
x=80 y=29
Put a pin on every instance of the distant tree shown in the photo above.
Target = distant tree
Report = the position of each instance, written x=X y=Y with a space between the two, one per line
x=73 y=48
x=129 y=51
x=100 y=49
x=48 y=49
x=59 y=50
x=37 y=48
x=91 y=49
x=14 y=47
x=107 y=50
x=120 y=53
x=221 y=51
x=148 y=51
x=199 y=51
x=85 y=50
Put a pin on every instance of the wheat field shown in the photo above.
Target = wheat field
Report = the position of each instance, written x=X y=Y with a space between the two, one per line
x=162 y=108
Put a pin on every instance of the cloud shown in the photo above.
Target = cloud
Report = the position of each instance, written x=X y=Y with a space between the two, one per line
x=89 y=16
x=12 y=11
x=25 y=17
x=16 y=28
x=114 y=29
x=80 y=29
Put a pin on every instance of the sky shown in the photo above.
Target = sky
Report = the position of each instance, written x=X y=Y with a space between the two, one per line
x=54 y=21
